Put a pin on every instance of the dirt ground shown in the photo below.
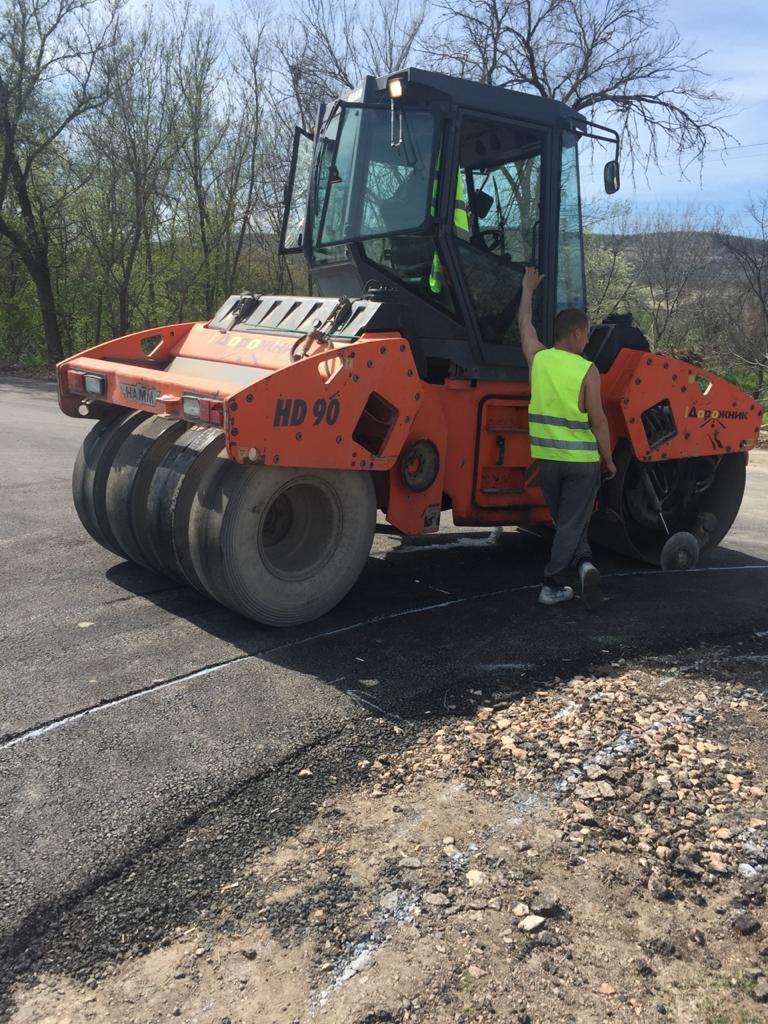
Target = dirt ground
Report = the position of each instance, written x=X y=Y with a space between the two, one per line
x=594 y=849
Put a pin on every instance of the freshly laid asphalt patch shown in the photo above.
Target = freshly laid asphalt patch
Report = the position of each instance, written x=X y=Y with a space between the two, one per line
x=101 y=805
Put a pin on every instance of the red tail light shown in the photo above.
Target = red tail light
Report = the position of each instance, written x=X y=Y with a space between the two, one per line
x=76 y=382
x=205 y=410
x=81 y=383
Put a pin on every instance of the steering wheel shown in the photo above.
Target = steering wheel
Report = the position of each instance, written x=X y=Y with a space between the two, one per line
x=494 y=240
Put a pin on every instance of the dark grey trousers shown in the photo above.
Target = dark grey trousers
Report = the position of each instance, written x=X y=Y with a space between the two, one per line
x=569 y=489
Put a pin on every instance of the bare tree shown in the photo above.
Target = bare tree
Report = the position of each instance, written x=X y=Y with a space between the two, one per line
x=219 y=75
x=333 y=45
x=199 y=45
x=131 y=144
x=48 y=57
x=614 y=59
x=747 y=253
x=244 y=211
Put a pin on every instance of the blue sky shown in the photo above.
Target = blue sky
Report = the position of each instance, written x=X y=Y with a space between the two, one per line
x=736 y=33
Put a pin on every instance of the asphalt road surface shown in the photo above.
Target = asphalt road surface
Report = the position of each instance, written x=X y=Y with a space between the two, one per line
x=133 y=710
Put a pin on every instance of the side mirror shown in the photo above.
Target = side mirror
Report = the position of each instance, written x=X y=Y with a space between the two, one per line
x=611 y=177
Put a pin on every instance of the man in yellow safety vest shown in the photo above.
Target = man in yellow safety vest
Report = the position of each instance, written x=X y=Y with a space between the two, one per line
x=569 y=433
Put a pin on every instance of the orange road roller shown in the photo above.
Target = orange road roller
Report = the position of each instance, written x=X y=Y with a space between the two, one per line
x=247 y=456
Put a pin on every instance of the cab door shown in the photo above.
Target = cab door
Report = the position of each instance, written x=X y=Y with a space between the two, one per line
x=505 y=183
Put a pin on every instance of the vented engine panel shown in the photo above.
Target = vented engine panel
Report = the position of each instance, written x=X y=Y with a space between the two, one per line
x=299 y=314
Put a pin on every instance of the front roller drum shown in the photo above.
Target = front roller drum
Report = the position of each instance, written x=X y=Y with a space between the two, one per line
x=281 y=546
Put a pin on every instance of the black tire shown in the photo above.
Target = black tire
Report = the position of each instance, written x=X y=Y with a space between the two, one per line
x=217 y=482
x=173 y=486
x=89 y=477
x=281 y=546
x=129 y=477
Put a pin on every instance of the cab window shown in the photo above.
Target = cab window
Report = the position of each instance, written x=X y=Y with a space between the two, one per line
x=497 y=220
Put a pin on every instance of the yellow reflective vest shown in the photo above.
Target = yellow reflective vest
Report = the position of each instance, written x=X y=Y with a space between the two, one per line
x=559 y=430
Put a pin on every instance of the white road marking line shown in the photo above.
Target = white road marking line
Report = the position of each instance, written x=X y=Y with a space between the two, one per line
x=518 y=666
x=359 y=698
x=209 y=670
x=677 y=572
x=77 y=716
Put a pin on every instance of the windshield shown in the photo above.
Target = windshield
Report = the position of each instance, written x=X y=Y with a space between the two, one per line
x=373 y=176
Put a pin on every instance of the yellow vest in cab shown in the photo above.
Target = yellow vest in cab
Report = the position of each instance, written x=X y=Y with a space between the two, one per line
x=559 y=430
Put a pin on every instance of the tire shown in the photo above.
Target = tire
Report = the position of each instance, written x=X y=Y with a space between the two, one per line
x=281 y=546
x=170 y=493
x=219 y=479
x=128 y=481
x=89 y=477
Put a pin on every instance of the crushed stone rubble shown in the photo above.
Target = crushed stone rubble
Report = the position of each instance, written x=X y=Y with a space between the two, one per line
x=632 y=773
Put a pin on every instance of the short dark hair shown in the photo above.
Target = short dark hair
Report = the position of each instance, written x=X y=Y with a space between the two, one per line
x=569 y=320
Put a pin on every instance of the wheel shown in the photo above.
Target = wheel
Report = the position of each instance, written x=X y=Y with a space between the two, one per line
x=281 y=546
x=681 y=551
x=84 y=462
x=129 y=478
x=174 y=483
x=89 y=477
x=215 y=483
x=696 y=496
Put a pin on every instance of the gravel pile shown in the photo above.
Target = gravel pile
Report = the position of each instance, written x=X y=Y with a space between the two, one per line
x=634 y=774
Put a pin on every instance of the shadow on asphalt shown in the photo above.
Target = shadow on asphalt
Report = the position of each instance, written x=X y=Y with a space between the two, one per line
x=410 y=574
x=429 y=616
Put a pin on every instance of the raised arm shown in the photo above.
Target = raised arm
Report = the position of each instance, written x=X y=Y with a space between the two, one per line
x=529 y=339
x=598 y=421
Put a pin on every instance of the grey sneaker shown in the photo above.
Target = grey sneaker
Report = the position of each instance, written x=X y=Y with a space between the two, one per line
x=590 y=586
x=555 y=595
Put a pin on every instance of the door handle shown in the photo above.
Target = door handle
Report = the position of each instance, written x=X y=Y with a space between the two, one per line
x=500 y=445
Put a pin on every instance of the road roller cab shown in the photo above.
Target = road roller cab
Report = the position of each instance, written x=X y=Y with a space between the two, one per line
x=248 y=455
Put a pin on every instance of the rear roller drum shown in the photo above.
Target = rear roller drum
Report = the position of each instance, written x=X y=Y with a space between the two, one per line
x=129 y=478
x=89 y=478
x=281 y=546
x=648 y=505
